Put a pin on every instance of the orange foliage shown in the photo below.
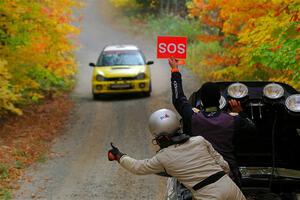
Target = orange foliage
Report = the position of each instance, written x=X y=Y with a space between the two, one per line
x=37 y=36
x=246 y=29
x=212 y=22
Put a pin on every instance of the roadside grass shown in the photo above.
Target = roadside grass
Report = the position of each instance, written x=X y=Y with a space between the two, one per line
x=19 y=164
x=42 y=158
x=19 y=153
x=3 y=171
x=5 y=194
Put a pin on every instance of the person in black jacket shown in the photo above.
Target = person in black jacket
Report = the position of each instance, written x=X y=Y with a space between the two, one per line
x=216 y=126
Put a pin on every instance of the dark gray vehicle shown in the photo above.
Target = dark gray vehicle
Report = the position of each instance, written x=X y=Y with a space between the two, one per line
x=269 y=159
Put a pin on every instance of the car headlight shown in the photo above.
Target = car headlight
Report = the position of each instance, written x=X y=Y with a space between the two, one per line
x=237 y=90
x=293 y=103
x=273 y=91
x=222 y=102
x=100 y=77
x=141 y=76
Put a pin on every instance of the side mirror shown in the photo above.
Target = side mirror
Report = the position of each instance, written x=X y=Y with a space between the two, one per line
x=92 y=65
x=150 y=62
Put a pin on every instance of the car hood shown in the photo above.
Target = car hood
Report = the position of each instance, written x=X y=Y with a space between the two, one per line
x=120 y=71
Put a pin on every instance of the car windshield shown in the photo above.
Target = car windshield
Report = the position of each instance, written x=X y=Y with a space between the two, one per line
x=112 y=58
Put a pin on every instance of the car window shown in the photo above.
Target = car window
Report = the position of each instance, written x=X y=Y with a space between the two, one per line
x=111 y=58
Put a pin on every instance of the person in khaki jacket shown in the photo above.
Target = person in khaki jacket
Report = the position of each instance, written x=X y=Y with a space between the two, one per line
x=192 y=160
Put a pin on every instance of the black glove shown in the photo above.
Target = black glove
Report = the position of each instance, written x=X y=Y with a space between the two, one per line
x=114 y=153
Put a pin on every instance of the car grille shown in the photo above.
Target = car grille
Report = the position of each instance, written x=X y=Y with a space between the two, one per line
x=120 y=86
x=120 y=79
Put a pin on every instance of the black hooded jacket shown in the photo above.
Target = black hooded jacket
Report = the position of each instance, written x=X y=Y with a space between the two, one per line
x=218 y=127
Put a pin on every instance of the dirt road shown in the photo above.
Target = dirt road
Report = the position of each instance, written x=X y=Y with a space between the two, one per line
x=78 y=168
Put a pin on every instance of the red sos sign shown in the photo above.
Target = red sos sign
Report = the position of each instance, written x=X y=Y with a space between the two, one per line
x=168 y=46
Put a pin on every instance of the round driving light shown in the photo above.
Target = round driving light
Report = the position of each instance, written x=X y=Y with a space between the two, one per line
x=222 y=102
x=237 y=90
x=273 y=91
x=98 y=87
x=142 y=85
x=293 y=103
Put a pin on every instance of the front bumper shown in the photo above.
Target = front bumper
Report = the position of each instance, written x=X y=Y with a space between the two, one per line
x=114 y=87
x=280 y=181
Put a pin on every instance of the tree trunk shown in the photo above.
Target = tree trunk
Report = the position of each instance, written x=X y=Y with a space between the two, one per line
x=168 y=6
x=161 y=7
x=176 y=7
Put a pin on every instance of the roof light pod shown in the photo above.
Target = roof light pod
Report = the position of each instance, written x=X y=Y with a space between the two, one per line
x=237 y=90
x=293 y=103
x=273 y=91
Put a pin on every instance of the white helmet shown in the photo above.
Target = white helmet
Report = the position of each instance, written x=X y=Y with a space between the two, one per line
x=163 y=121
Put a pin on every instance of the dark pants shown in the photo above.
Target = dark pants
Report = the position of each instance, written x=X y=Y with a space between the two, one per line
x=236 y=176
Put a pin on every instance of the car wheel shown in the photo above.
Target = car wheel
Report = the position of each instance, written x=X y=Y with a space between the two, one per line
x=150 y=87
x=96 y=96
x=147 y=94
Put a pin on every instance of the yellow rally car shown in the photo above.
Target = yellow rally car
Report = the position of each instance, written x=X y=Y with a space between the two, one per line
x=121 y=69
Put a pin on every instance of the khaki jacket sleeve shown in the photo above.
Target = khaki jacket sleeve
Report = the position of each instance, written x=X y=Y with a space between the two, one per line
x=219 y=159
x=141 y=167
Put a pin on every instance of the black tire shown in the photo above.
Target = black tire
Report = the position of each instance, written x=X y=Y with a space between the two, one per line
x=96 y=96
x=150 y=87
x=147 y=94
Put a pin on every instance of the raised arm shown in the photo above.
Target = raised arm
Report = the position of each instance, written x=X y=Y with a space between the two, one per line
x=180 y=102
